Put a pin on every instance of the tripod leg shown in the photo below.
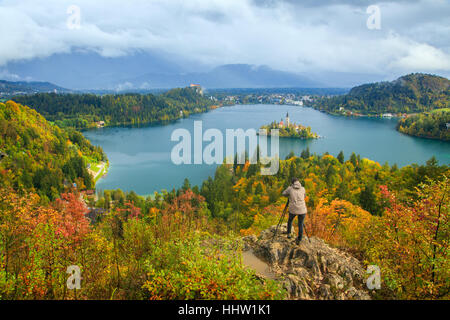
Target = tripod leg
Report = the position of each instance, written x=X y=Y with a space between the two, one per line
x=276 y=229
x=280 y=222
x=281 y=219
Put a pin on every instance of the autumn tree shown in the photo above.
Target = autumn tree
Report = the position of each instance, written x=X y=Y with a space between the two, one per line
x=410 y=243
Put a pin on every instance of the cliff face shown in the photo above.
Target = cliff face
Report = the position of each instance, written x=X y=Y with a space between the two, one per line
x=310 y=270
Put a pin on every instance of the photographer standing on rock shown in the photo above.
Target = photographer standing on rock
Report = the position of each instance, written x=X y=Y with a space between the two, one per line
x=297 y=207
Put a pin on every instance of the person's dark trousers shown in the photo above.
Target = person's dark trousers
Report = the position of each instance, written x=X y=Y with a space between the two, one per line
x=301 y=218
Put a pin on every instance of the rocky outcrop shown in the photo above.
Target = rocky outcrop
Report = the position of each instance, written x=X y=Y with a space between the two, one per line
x=310 y=270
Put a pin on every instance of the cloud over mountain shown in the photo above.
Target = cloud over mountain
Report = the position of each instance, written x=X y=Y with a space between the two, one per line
x=295 y=36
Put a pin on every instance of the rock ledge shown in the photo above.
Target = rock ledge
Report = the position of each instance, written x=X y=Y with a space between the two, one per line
x=311 y=270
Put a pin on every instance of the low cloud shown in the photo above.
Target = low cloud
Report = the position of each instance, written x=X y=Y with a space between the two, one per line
x=6 y=75
x=124 y=86
x=423 y=57
x=287 y=35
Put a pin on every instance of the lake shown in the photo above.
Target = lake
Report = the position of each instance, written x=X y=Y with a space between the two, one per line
x=140 y=157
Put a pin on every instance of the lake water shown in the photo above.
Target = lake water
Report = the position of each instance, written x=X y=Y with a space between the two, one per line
x=140 y=157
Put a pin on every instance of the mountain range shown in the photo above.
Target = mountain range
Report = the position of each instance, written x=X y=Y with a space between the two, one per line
x=147 y=71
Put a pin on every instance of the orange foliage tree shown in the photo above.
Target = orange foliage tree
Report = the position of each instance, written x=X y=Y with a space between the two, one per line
x=39 y=243
x=183 y=214
x=411 y=243
x=339 y=223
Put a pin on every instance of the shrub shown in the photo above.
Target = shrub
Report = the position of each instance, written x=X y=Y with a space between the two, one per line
x=204 y=268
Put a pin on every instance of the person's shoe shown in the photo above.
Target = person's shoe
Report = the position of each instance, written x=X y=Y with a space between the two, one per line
x=297 y=241
x=289 y=236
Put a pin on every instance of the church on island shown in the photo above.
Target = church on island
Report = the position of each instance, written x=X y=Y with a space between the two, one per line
x=288 y=129
x=287 y=123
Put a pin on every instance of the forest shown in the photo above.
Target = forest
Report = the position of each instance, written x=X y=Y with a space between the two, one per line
x=171 y=250
x=40 y=157
x=408 y=94
x=396 y=218
x=432 y=125
x=83 y=111
x=187 y=243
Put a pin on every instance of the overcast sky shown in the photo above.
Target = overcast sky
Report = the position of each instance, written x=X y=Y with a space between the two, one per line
x=299 y=36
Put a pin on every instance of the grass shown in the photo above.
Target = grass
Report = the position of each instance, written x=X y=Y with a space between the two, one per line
x=104 y=170
x=96 y=167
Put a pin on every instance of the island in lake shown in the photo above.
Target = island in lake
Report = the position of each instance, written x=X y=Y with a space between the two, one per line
x=291 y=130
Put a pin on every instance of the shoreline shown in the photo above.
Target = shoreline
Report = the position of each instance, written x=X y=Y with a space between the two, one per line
x=102 y=171
x=144 y=124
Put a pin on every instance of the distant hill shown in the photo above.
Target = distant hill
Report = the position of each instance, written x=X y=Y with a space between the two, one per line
x=86 y=110
x=408 y=94
x=9 y=88
x=38 y=156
